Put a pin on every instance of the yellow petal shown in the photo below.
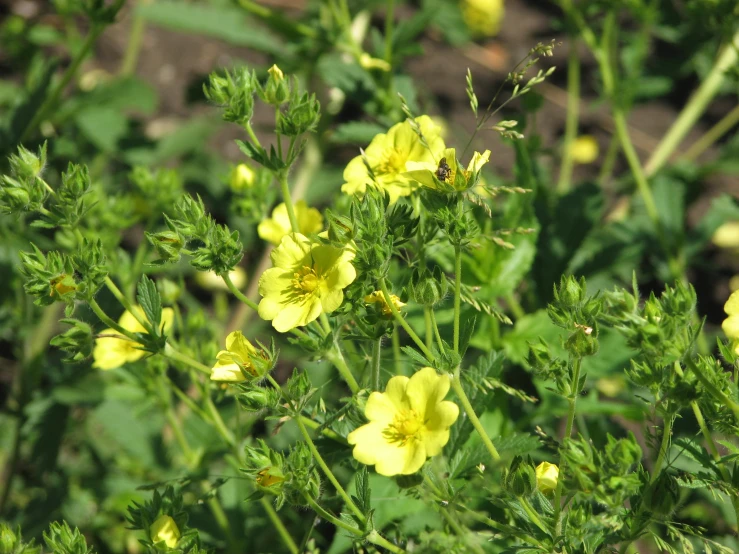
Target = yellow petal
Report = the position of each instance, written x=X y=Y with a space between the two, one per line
x=442 y=415
x=380 y=408
x=478 y=160
x=434 y=441
x=239 y=345
x=296 y=315
x=293 y=252
x=111 y=352
x=425 y=389
x=732 y=304
x=227 y=372
x=731 y=327
x=395 y=390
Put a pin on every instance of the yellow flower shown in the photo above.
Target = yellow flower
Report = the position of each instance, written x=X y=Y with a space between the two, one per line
x=272 y=230
x=241 y=178
x=111 y=352
x=731 y=323
x=236 y=357
x=483 y=17
x=379 y=297
x=546 y=477
x=210 y=281
x=445 y=175
x=165 y=530
x=584 y=150
x=727 y=236
x=408 y=423
x=307 y=279
x=388 y=154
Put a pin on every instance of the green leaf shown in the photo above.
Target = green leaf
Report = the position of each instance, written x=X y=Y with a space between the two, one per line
x=103 y=126
x=150 y=301
x=361 y=482
x=529 y=329
x=222 y=22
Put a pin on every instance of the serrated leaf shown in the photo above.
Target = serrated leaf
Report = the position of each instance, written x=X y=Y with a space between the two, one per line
x=150 y=301
x=416 y=356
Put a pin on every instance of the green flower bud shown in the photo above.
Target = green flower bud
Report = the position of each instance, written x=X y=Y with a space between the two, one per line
x=257 y=399
x=168 y=244
x=8 y=540
x=570 y=292
x=582 y=343
x=539 y=358
x=428 y=288
x=302 y=115
x=520 y=478
x=276 y=90
x=340 y=228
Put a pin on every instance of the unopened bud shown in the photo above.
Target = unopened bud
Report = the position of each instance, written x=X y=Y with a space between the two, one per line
x=520 y=478
x=165 y=530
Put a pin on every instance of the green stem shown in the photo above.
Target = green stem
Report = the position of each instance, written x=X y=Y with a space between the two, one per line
x=281 y=529
x=436 y=330
x=375 y=538
x=469 y=410
x=663 y=448
x=328 y=433
x=712 y=389
x=389 y=24
x=573 y=106
x=403 y=323
x=609 y=161
x=457 y=293
x=533 y=516
x=174 y=354
x=271 y=16
x=515 y=306
x=285 y=188
x=375 y=364
x=174 y=423
x=126 y=304
x=572 y=400
x=102 y=316
x=337 y=358
x=237 y=293
x=218 y=422
x=712 y=135
x=695 y=107
x=252 y=135
x=396 y=350
x=327 y=471
x=331 y=518
x=503 y=528
x=133 y=48
x=53 y=98
x=427 y=325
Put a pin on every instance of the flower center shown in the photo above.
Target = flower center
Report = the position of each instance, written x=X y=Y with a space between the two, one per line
x=393 y=162
x=404 y=428
x=306 y=280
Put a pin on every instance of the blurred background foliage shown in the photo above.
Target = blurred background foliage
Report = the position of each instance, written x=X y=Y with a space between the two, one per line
x=125 y=97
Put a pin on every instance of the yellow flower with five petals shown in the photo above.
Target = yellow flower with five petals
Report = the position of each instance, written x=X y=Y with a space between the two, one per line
x=309 y=219
x=114 y=350
x=447 y=175
x=408 y=423
x=235 y=362
x=306 y=280
x=387 y=156
x=730 y=325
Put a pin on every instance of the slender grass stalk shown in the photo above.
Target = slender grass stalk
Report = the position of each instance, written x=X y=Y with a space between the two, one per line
x=695 y=107
x=571 y=123
x=712 y=135
x=135 y=40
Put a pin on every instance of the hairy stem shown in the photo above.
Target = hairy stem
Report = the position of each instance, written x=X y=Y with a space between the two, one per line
x=572 y=399
x=470 y=411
